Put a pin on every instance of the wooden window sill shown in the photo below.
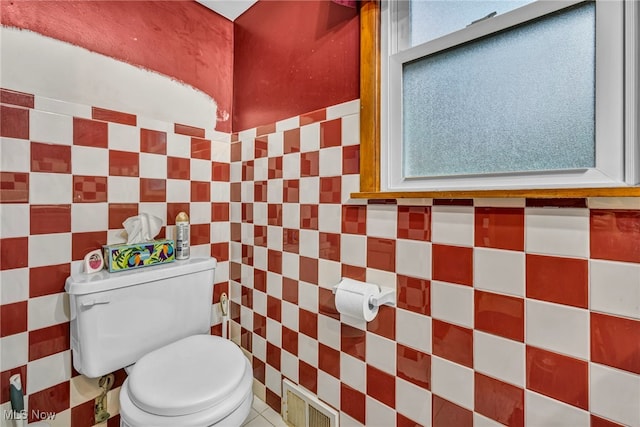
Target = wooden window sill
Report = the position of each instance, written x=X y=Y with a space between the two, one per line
x=533 y=193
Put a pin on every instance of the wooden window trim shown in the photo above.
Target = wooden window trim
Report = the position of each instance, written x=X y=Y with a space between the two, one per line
x=370 y=133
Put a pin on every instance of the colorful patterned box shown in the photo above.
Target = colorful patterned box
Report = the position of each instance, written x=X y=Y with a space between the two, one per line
x=123 y=257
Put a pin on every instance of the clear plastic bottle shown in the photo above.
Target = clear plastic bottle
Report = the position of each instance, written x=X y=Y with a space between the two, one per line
x=182 y=236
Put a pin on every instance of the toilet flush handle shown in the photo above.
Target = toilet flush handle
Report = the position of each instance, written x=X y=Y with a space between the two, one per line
x=96 y=301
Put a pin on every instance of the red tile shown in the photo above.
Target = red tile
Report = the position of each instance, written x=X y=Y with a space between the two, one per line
x=308 y=323
x=313 y=117
x=173 y=209
x=615 y=235
x=220 y=251
x=291 y=191
x=260 y=236
x=308 y=376
x=247 y=213
x=329 y=360
x=200 y=149
x=200 y=191
x=381 y=386
x=290 y=240
x=292 y=141
x=14 y=122
x=558 y=280
x=14 y=187
x=274 y=308
x=308 y=270
x=90 y=133
x=259 y=325
x=153 y=141
x=266 y=129
x=248 y=170
x=258 y=370
x=119 y=212
x=14 y=318
x=452 y=202
x=351 y=160
x=273 y=355
x=83 y=243
x=402 y=421
x=615 y=341
x=200 y=234
x=8 y=96
x=273 y=400
x=261 y=146
x=114 y=421
x=414 y=294
x=246 y=297
x=354 y=219
x=453 y=342
x=309 y=217
x=499 y=401
x=274 y=261
x=83 y=415
x=219 y=212
x=329 y=246
x=327 y=304
x=48 y=280
x=381 y=254
x=47 y=341
x=274 y=167
x=260 y=191
x=188 y=130
x=220 y=172
x=153 y=190
x=236 y=192
x=556 y=203
x=331 y=133
x=353 y=341
x=236 y=232
x=289 y=290
x=274 y=214
x=453 y=264
x=48 y=219
x=236 y=151
x=290 y=340
x=89 y=189
x=331 y=189
x=353 y=272
x=246 y=339
x=352 y=403
x=448 y=414
x=560 y=377
x=414 y=223
x=413 y=366
x=601 y=422
x=14 y=252
x=113 y=116
x=384 y=323
x=50 y=158
x=123 y=163
x=500 y=228
x=4 y=378
x=499 y=315
x=310 y=164
x=178 y=168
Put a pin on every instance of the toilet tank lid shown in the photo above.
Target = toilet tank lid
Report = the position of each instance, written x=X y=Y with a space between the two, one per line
x=83 y=283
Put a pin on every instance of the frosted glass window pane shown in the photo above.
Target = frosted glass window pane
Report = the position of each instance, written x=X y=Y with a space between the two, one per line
x=431 y=19
x=521 y=100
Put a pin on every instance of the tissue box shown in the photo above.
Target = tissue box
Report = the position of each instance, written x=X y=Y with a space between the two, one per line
x=123 y=257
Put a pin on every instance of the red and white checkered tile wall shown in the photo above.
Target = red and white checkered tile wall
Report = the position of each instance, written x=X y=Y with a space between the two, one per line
x=515 y=312
x=70 y=175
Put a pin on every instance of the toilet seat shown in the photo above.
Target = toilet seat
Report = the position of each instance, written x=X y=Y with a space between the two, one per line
x=198 y=380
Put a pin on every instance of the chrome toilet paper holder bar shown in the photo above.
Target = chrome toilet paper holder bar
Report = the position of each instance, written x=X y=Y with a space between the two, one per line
x=387 y=296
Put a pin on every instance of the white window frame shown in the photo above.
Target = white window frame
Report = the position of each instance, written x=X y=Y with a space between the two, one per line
x=617 y=109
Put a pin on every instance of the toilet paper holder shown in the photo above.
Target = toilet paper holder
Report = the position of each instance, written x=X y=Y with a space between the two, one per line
x=387 y=296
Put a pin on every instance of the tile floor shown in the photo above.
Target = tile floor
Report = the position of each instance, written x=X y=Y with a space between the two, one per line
x=262 y=415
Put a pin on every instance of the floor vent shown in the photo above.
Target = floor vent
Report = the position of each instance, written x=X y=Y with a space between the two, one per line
x=302 y=409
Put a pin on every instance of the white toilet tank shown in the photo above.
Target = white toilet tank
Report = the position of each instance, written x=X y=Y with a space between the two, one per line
x=116 y=318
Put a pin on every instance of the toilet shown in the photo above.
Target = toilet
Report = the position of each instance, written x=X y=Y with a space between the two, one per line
x=155 y=323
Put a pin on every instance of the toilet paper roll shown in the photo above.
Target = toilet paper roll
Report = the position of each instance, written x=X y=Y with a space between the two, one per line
x=352 y=299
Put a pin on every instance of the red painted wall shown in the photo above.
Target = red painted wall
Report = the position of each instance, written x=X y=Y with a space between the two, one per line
x=181 y=39
x=293 y=57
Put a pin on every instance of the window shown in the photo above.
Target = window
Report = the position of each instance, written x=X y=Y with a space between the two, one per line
x=494 y=95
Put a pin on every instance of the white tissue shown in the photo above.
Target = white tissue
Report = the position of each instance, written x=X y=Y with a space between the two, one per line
x=142 y=228
x=353 y=299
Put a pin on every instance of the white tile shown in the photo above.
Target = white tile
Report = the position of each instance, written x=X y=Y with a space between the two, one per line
x=499 y=358
x=178 y=145
x=351 y=184
x=331 y=161
x=613 y=202
x=291 y=215
x=615 y=288
x=247 y=135
x=48 y=310
x=308 y=350
x=329 y=218
x=308 y=296
x=310 y=137
x=381 y=353
x=413 y=258
x=413 y=402
x=158 y=209
x=351 y=130
x=452 y=225
x=274 y=285
x=382 y=221
x=14 y=220
x=16 y=155
x=481 y=421
x=259 y=347
x=558 y=328
x=89 y=217
x=274 y=237
x=309 y=243
x=453 y=382
x=260 y=213
x=291 y=166
x=50 y=127
x=127 y=138
x=200 y=213
x=14 y=351
x=200 y=170
x=220 y=152
x=353 y=372
x=273 y=379
x=413 y=330
x=153 y=124
x=123 y=189
x=178 y=190
x=346 y=421
x=275 y=144
x=287 y=124
x=220 y=192
x=274 y=191
x=261 y=169
x=310 y=190
x=48 y=371
x=382 y=278
x=378 y=414
x=289 y=365
x=328 y=389
x=557 y=231
x=290 y=265
x=246 y=318
x=83 y=389
x=89 y=161
x=545 y=412
x=329 y=331
x=50 y=188
x=220 y=232
x=154 y=166
x=14 y=285
x=353 y=249
x=499 y=271
x=273 y=417
x=49 y=249
x=274 y=331
x=51 y=105
x=614 y=394
x=415 y=202
x=452 y=303
x=343 y=109
x=329 y=273
x=116 y=237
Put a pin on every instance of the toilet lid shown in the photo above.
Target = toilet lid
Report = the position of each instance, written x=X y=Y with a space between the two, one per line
x=186 y=376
